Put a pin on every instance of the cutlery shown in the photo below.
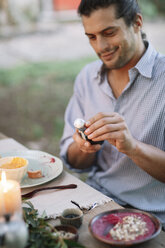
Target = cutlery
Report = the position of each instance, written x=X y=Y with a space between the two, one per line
x=107 y=229
x=112 y=220
x=85 y=209
x=30 y=194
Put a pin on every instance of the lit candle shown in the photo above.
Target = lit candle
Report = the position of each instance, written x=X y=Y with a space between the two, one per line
x=10 y=196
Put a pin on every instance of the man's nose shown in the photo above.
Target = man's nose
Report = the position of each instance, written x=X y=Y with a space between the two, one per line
x=102 y=44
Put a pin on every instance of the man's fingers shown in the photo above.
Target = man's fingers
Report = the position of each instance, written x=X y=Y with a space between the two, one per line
x=98 y=117
x=113 y=123
x=91 y=149
x=106 y=129
x=85 y=145
x=116 y=135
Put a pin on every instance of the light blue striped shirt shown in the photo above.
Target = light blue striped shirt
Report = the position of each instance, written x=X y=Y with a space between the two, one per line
x=142 y=103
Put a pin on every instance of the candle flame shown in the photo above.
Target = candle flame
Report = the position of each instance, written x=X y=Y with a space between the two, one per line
x=3 y=178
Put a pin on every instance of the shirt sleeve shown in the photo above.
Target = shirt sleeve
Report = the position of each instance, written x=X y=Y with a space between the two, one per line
x=73 y=111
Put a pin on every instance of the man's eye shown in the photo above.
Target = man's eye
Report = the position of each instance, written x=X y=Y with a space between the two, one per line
x=109 y=34
x=91 y=37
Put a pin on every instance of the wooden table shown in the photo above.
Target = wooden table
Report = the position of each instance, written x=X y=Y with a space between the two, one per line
x=88 y=241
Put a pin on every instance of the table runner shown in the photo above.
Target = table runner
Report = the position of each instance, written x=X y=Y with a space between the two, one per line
x=53 y=202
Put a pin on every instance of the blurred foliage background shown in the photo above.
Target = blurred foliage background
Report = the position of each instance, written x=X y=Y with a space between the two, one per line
x=152 y=8
x=33 y=99
x=33 y=96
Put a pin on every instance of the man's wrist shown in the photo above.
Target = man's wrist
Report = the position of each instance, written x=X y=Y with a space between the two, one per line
x=134 y=150
x=79 y=159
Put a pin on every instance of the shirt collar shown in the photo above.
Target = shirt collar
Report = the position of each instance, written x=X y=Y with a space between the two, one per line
x=99 y=73
x=99 y=70
x=146 y=63
x=144 y=66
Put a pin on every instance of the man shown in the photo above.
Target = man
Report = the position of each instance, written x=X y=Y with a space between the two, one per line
x=121 y=98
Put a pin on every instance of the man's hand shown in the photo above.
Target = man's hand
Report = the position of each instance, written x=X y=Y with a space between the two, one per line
x=81 y=154
x=84 y=145
x=113 y=128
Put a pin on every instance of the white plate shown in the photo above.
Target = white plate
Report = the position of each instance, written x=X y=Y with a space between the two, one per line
x=50 y=166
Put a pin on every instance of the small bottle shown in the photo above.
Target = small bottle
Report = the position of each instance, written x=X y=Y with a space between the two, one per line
x=80 y=125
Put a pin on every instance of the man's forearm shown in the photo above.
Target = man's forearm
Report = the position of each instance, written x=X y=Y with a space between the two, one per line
x=78 y=159
x=150 y=159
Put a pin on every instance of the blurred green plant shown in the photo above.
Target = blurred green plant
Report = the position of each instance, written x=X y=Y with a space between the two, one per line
x=148 y=8
x=33 y=98
x=160 y=5
x=37 y=130
x=59 y=70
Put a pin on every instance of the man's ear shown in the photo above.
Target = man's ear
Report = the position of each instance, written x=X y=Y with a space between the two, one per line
x=138 y=23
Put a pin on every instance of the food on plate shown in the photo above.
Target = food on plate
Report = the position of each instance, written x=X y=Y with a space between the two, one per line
x=129 y=228
x=35 y=174
x=124 y=226
x=67 y=232
x=15 y=168
x=65 y=235
x=13 y=163
x=52 y=160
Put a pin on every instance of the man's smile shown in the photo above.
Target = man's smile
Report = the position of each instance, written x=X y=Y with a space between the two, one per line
x=108 y=55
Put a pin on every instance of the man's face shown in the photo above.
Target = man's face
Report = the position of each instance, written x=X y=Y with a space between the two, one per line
x=114 y=42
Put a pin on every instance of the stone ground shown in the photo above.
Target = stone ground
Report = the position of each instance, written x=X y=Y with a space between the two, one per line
x=60 y=41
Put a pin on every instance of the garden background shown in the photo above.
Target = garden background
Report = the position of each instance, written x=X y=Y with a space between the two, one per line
x=41 y=52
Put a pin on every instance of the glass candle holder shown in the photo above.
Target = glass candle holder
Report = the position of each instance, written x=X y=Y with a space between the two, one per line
x=13 y=231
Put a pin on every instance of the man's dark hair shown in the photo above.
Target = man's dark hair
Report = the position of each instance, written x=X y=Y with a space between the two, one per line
x=126 y=9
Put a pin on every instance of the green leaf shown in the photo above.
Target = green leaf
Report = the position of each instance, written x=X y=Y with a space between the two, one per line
x=41 y=234
x=73 y=244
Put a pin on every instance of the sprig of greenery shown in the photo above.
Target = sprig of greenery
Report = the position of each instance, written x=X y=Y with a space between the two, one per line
x=41 y=232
